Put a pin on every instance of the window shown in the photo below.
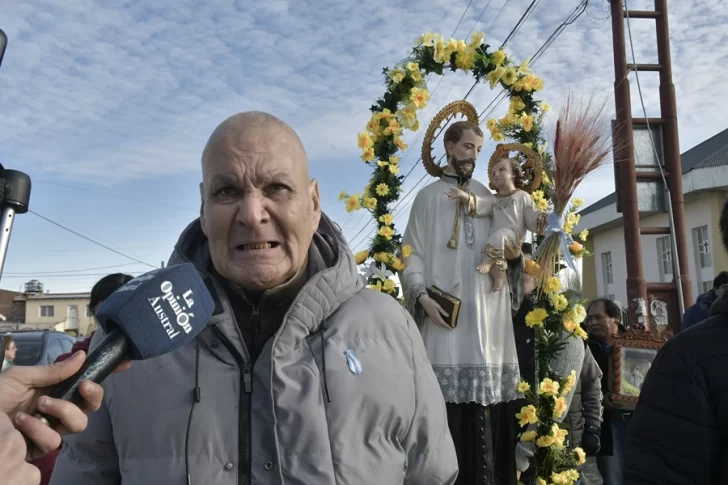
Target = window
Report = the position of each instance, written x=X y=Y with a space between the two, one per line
x=47 y=311
x=664 y=258
x=607 y=268
x=702 y=247
x=707 y=286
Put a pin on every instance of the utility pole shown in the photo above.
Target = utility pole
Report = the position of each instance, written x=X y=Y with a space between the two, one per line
x=635 y=179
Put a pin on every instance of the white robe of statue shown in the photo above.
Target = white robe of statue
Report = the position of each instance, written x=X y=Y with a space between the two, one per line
x=477 y=361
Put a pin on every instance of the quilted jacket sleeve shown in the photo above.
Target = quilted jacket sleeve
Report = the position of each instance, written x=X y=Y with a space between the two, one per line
x=431 y=458
x=674 y=438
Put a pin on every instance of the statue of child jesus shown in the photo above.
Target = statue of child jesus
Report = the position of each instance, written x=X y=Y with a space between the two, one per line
x=513 y=212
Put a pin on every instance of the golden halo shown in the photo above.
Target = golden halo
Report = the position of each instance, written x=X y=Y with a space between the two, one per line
x=456 y=107
x=532 y=169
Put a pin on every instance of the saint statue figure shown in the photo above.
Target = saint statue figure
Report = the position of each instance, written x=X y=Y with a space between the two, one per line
x=473 y=357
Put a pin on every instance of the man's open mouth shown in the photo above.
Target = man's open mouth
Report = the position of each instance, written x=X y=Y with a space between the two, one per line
x=253 y=247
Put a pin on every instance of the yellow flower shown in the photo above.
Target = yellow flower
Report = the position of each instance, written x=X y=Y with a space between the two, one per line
x=541 y=481
x=382 y=190
x=407 y=116
x=370 y=203
x=376 y=287
x=577 y=313
x=382 y=257
x=464 y=60
x=413 y=67
x=361 y=256
x=365 y=141
x=397 y=264
x=569 y=384
x=397 y=75
x=560 y=407
x=531 y=267
x=529 y=436
x=497 y=136
x=523 y=68
x=545 y=107
x=389 y=285
x=452 y=45
x=553 y=285
x=352 y=203
x=517 y=104
x=560 y=479
x=492 y=124
x=572 y=475
x=386 y=219
x=578 y=203
x=498 y=58
x=406 y=251
x=343 y=195
x=394 y=160
x=440 y=53
x=537 y=195
x=545 y=441
x=399 y=143
x=477 y=39
x=523 y=387
x=393 y=169
x=558 y=301
x=584 y=234
x=542 y=204
x=559 y=435
x=425 y=39
x=495 y=75
x=545 y=179
x=580 y=332
x=548 y=387
x=580 y=456
x=393 y=128
x=542 y=148
x=509 y=76
x=386 y=232
x=527 y=415
x=526 y=121
x=569 y=325
x=536 y=317
x=419 y=96
x=368 y=155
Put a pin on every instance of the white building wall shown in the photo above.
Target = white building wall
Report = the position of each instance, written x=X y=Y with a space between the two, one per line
x=697 y=214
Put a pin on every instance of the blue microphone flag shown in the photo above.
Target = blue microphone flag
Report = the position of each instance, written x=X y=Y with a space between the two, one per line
x=159 y=311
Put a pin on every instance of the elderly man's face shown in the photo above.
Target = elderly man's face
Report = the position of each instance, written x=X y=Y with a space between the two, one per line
x=259 y=208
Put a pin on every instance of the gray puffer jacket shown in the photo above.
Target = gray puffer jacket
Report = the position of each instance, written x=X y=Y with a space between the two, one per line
x=301 y=415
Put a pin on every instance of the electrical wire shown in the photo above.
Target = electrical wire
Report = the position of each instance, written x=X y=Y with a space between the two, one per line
x=670 y=214
x=73 y=270
x=91 y=240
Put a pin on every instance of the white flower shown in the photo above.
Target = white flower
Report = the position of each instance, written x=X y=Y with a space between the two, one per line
x=378 y=271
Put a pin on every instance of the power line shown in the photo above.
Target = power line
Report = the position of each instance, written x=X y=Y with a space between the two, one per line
x=90 y=240
x=34 y=275
x=72 y=270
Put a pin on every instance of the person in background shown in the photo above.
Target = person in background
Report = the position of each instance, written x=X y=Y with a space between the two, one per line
x=679 y=433
x=701 y=309
x=99 y=293
x=604 y=320
x=11 y=349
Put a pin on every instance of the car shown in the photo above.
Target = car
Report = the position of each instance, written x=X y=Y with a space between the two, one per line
x=40 y=347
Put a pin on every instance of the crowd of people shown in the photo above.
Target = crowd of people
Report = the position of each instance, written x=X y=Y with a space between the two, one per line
x=305 y=376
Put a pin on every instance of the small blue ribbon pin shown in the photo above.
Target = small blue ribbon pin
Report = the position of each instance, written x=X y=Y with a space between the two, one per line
x=353 y=361
x=555 y=225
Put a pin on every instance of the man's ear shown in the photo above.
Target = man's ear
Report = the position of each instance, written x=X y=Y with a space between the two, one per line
x=202 y=208
x=316 y=199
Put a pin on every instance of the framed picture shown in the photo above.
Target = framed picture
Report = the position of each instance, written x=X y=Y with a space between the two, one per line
x=631 y=360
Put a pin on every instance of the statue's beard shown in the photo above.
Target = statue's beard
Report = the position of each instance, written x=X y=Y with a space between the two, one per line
x=463 y=167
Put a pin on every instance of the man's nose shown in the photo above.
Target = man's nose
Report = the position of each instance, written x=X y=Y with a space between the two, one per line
x=252 y=211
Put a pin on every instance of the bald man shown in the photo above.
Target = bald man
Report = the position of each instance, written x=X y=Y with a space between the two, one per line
x=302 y=376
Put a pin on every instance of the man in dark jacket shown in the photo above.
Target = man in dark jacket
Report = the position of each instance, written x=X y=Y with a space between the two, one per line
x=679 y=433
x=701 y=309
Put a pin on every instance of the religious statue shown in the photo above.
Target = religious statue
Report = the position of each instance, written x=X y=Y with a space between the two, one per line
x=513 y=212
x=474 y=357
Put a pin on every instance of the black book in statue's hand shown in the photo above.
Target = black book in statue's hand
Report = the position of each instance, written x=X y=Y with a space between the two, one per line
x=449 y=303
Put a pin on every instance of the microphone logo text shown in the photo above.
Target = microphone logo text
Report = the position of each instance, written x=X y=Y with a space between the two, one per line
x=179 y=309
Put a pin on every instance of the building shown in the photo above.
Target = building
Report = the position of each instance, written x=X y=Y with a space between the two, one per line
x=64 y=312
x=705 y=187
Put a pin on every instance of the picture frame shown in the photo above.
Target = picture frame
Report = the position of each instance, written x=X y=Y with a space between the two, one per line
x=631 y=359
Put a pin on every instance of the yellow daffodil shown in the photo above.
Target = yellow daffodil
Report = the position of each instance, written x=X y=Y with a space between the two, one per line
x=497 y=136
x=569 y=383
x=361 y=256
x=526 y=121
x=509 y=76
x=369 y=202
x=393 y=169
x=368 y=155
x=406 y=251
x=377 y=286
x=382 y=190
x=343 y=195
x=425 y=39
x=399 y=143
x=440 y=53
x=529 y=436
x=393 y=128
x=548 y=387
x=365 y=141
x=386 y=219
x=386 y=232
x=394 y=160
x=382 y=257
x=560 y=407
x=465 y=60
x=536 y=317
x=527 y=415
x=545 y=441
x=397 y=75
x=389 y=286
x=498 y=58
x=353 y=203
x=419 y=96
x=476 y=40
x=517 y=104
x=523 y=387
x=495 y=75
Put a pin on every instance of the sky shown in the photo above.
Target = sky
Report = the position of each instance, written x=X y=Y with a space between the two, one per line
x=107 y=105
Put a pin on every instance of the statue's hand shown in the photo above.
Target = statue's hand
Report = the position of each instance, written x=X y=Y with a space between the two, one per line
x=457 y=194
x=434 y=311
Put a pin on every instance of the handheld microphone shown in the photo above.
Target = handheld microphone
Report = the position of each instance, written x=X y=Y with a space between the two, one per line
x=3 y=44
x=151 y=315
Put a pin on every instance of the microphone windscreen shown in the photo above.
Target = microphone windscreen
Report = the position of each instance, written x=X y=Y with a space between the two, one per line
x=159 y=311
